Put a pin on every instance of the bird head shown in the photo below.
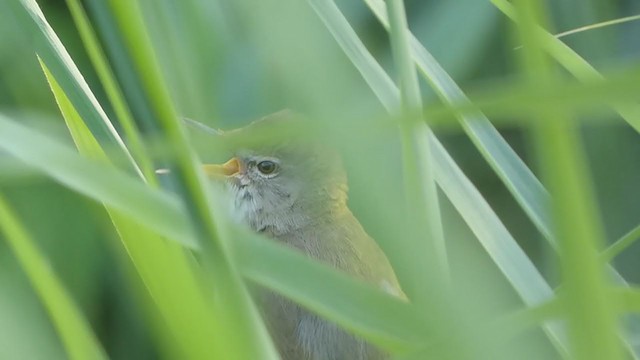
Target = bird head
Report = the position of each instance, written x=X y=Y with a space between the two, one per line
x=280 y=179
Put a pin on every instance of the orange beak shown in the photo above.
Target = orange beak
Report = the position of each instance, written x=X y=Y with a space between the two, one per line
x=216 y=171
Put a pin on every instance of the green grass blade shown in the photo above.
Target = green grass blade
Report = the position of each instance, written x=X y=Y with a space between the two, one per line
x=576 y=65
x=598 y=25
x=92 y=179
x=381 y=84
x=183 y=302
x=628 y=299
x=233 y=305
x=50 y=157
x=54 y=54
x=485 y=224
x=494 y=236
x=521 y=182
x=511 y=100
x=100 y=63
x=518 y=178
x=420 y=188
x=395 y=325
x=74 y=331
x=592 y=324
x=621 y=244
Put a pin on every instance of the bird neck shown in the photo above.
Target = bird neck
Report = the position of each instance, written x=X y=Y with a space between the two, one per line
x=319 y=207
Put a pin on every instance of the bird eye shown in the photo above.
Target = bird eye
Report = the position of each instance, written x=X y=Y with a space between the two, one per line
x=267 y=167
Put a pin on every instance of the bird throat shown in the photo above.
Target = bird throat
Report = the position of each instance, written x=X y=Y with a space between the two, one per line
x=273 y=219
x=253 y=210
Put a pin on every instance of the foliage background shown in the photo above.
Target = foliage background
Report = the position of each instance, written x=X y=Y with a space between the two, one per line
x=240 y=81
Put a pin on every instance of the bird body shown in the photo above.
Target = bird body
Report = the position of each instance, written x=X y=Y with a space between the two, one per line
x=296 y=193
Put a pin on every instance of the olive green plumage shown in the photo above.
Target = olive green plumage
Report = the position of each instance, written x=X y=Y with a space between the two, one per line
x=295 y=191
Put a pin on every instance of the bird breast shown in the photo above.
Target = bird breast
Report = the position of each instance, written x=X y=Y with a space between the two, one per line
x=264 y=213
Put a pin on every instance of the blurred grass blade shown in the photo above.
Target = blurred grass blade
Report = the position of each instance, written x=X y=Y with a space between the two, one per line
x=233 y=308
x=53 y=53
x=182 y=300
x=485 y=224
x=74 y=331
x=496 y=334
x=512 y=100
x=584 y=72
x=383 y=87
x=496 y=239
x=521 y=182
x=384 y=320
x=112 y=89
x=321 y=295
x=425 y=248
x=576 y=65
x=96 y=181
x=621 y=244
x=592 y=323
x=628 y=299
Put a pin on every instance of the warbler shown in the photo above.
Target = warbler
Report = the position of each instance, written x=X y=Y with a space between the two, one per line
x=294 y=190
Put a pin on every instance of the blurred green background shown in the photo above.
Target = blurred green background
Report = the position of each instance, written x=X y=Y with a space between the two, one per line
x=470 y=38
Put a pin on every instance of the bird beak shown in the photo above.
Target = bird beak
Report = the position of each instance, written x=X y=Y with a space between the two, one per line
x=216 y=171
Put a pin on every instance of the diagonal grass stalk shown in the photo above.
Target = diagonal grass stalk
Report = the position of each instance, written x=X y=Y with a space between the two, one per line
x=192 y=261
x=98 y=59
x=576 y=65
x=73 y=329
x=621 y=244
x=369 y=315
x=169 y=292
x=228 y=289
x=598 y=26
x=513 y=172
x=467 y=200
x=52 y=52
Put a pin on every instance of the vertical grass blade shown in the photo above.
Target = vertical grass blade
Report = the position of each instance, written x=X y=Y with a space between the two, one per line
x=517 y=177
x=420 y=189
x=592 y=323
x=468 y=201
x=74 y=331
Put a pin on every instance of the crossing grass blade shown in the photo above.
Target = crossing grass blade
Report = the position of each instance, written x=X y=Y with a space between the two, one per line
x=576 y=65
x=108 y=81
x=50 y=49
x=178 y=295
x=232 y=307
x=388 y=322
x=427 y=237
x=484 y=223
x=192 y=264
x=514 y=173
x=592 y=323
x=621 y=244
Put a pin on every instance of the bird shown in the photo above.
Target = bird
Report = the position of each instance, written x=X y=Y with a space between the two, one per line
x=293 y=190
